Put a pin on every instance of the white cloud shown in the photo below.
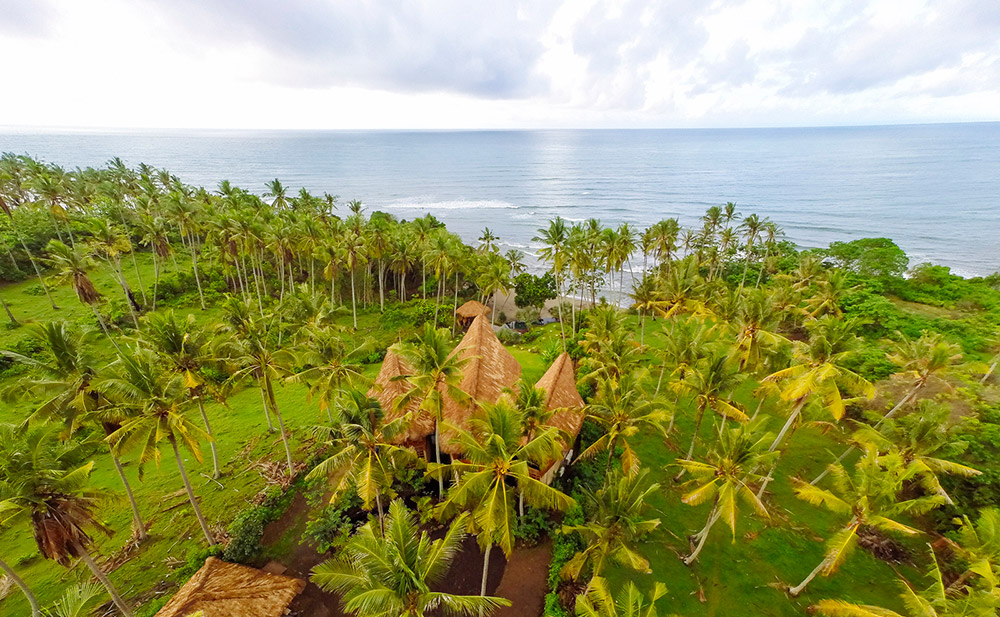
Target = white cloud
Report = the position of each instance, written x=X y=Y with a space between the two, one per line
x=446 y=64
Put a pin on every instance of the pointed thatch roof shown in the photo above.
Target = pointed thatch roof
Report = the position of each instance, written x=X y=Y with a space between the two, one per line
x=559 y=384
x=472 y=309
x=490 y=369
x=387 y=388
x=222 y=589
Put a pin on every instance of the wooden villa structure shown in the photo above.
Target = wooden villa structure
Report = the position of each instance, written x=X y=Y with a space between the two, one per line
x=490 y=370
x=223 y=589
x=468 y=312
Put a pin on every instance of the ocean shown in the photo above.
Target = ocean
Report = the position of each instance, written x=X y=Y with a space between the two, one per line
x=934 y=189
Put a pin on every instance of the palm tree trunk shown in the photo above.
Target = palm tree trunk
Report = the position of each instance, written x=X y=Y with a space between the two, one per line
x=34 y=265
x=796 y=411
x=906 y=399
x=795 y=591
x=454 y=314
x=103 y=578
x=197 y=278
x=990 y=372
x=381 y=514
x=763 y=264
x=354 y=302
x=104 y=327
x=562 y=327
x=713 y=516
x=267 y=414
x=36 y=611
x=211 y=444
x=190 y=492
x=486 y=568
x=156 y=277
x=10 y=315
x=281 y=426
x=494 y=320
x=138 y=278
x=140 y=526
x=437 y=457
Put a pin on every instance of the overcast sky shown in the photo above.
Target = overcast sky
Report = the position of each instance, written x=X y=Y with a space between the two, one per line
x=345 y=64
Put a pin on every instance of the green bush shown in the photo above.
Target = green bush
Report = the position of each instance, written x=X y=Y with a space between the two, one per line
x=334 y=525
x=247 y=529
x=533 y=526
x=153 y=607
x=196 y=559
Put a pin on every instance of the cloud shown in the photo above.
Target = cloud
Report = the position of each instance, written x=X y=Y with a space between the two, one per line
x=485 y=50
x=24 y=17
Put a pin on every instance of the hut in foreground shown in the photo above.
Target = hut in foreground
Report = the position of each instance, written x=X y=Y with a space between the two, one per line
x=468 y=312
x=561 y=396
x=222 y=589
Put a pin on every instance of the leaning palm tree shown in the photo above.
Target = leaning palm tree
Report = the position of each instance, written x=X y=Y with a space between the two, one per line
x=364 y=456
x=599 y=602
x=390 y=573
x=935 y=601
x=43 y=479
x=154 y=402
x=868 y=498
x=820 y=371
x=922 y=438
x=64 y=382
x=71 y=266
x=616 y=523
x=495 y=457
x=922 y=359
x=622 y=410
x=726 y=478
x=187 y=348
x=437 y=373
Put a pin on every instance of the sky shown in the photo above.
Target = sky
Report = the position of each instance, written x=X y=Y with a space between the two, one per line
x=468 y=64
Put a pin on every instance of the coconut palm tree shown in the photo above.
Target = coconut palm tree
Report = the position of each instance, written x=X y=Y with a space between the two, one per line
x=922 y=359
x=555 y=238
x=80 y=600
x=71 y=266
x=389 y=573
x=436 y=373
x=65 y=383
x=712 y=382
x=622 y=409
x=726 y=478
x=329 y=365
x=154 y=399
x=495 y=456
x=364 y=456
x=819 y=372
x=254 y=353
x=187 y=348
x=921 y=438
x=616 y=523
x=110 y=243
x=598 y=600
x=8 y=210
x=868 y=498
x=43 y=479
x=935 y=601
x=495 y=279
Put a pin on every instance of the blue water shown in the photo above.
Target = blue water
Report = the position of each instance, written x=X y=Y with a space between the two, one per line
x=932 y=188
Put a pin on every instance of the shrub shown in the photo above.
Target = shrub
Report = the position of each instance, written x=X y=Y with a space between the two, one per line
x=334 y=525
x=533 y=526
x=196 y=559
x=154 y=606
x=508 y=336
x=247 y=529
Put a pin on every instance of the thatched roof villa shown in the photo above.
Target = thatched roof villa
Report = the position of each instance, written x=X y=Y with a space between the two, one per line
x=490 y=370
x=468 y=312
x=223 y=589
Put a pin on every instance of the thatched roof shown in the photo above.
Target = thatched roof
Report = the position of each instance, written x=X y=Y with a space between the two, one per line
x=222 y=589
x=472 y=309
x=387 y=388
x=559 y=384
x=490 y=369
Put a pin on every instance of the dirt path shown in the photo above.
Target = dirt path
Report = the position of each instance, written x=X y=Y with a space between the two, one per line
x=525 y=582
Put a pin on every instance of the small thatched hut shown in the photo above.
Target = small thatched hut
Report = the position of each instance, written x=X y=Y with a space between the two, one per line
x=222 y=589
x=561 y=395
x=468 y=312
